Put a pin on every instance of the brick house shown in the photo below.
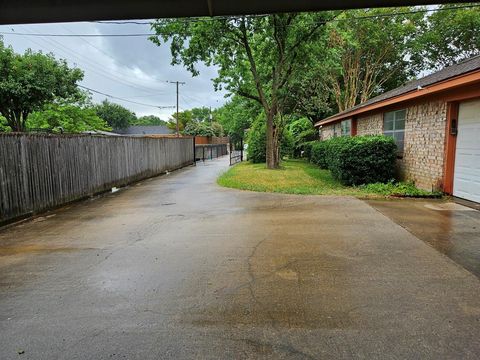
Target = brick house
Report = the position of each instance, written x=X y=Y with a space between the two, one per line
x=435 y=122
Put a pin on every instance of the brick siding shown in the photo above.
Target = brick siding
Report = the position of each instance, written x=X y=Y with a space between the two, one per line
x=370 y=125
x=327 y=132
x=423 y=157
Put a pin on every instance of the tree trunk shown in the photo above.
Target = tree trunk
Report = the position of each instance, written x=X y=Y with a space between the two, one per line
x=15 y=121
x=273 y=151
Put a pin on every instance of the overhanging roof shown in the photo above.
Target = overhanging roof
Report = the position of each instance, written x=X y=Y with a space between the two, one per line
x=464 y=73
x=40 y=11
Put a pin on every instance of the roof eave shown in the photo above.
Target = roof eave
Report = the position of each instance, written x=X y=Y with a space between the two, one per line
x=448 y=84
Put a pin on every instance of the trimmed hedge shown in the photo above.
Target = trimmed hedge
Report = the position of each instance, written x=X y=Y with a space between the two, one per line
x=357 y=160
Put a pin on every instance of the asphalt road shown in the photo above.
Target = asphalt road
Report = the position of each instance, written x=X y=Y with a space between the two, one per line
x=179 y=268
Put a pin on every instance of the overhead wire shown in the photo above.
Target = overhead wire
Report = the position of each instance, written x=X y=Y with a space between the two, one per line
x=216 y=18
x=91 y=66
x=126 y=100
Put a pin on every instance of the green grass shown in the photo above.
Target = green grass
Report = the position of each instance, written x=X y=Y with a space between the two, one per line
x=301 y=177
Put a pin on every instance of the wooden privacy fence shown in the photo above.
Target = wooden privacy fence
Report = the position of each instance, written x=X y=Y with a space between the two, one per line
x=38 y=172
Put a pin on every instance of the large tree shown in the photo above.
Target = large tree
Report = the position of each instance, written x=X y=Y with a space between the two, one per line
x=369 y=52
x=257 y=57
x=116 y=116
x=450 y=35
x=31 y=80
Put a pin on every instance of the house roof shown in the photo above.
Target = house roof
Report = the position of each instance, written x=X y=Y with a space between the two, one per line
x=414 y=88
x=145 y=130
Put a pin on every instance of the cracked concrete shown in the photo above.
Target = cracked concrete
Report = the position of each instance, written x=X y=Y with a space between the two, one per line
x=179 y=268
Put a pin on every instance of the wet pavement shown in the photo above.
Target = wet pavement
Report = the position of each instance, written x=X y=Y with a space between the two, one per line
x=451 y=228
x=179 y=268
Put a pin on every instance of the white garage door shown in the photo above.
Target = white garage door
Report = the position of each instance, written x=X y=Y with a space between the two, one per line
x=466 y=183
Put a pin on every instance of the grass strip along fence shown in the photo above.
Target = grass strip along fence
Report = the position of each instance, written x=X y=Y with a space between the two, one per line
x=40 y=172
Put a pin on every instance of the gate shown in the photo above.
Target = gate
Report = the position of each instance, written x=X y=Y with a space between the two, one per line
x=236 y=152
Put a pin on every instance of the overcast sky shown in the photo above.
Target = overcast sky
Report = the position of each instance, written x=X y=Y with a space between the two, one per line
x=128 y=67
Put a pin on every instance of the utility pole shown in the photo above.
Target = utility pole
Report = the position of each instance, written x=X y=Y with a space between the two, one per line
x=177 y=83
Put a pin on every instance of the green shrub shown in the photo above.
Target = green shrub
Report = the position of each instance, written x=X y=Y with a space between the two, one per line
x=287 y=145
x=307 y=149
x=257 y=141
x=357 y=160
x=303 y=132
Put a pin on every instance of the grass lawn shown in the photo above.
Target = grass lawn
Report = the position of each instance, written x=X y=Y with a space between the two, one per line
x=301 y=177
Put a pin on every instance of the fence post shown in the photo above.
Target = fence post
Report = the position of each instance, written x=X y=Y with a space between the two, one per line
x=194 y=152
x=241 y=149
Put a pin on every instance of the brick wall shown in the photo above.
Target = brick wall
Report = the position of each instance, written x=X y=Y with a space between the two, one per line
x=370 y=125
x=423 y=158
x=327 y=132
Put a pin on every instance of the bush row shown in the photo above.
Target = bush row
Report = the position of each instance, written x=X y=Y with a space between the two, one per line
x=356 y=160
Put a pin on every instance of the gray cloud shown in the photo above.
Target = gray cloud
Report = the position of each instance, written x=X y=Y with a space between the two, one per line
x=127 y=67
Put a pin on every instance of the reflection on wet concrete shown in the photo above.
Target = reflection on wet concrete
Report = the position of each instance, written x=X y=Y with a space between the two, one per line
x=179 y=268
x=450 y=228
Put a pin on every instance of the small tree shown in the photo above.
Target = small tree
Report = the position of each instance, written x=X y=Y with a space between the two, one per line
x=31 y=80
x=115 y=115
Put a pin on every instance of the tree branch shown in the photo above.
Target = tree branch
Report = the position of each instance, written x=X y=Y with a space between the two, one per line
x=249 y=96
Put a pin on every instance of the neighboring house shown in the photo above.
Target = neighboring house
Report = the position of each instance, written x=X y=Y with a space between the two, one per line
x=435 y=122
x=145 y=130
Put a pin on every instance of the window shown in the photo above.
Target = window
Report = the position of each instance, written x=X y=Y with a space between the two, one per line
x=394 y=126
x=337 y=130
x=343 y=128
x=347 y=127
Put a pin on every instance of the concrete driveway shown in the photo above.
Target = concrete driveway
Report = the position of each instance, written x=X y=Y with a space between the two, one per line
x=179 y=268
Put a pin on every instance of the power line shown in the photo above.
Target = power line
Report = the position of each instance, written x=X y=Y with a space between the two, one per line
x=76 y=35
x=215 y=18
x=126 y=100
x=92 y=66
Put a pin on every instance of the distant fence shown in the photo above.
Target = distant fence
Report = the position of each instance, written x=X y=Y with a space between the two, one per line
x=204 y=140
x=38 y=172
x=210 y=151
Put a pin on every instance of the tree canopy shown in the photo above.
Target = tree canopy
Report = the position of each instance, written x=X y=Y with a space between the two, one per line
x=201 y=114
x=116 y=116
x=184 y=118
x=31 y=80
x=257 y=57
x=67 y=118
x=368 y=53
x=203 y=129
x=236 y=116
x=448 y=37
x=148 y=120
